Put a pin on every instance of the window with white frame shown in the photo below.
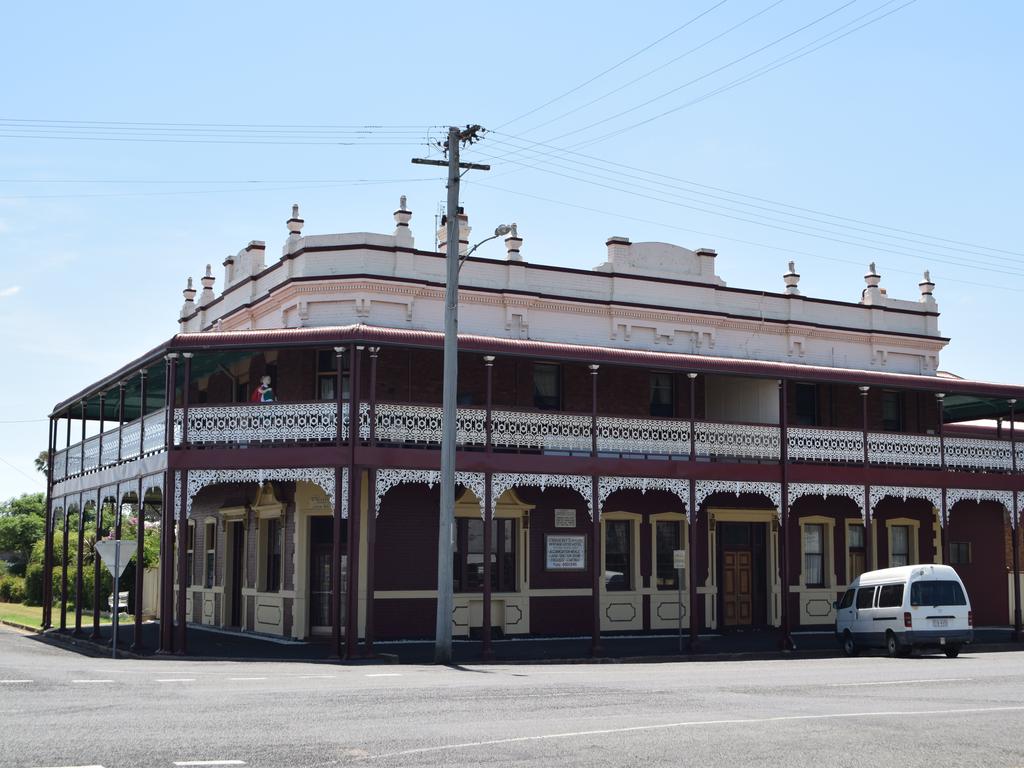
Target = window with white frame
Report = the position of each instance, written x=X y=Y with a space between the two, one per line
x=814 y=555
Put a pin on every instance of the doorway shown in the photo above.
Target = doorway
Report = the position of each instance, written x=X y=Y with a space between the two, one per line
x=322 y=602
x=236 y=560
x=742 y=564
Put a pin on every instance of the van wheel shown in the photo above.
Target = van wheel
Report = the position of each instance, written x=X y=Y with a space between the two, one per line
x=892 y=645
x=952 y=652
x=849 y=647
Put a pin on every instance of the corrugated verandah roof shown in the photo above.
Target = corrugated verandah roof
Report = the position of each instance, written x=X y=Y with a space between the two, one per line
x=337 y=335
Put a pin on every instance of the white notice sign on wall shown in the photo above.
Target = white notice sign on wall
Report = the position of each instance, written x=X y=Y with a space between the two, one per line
x=565 y=553
x=565 y=518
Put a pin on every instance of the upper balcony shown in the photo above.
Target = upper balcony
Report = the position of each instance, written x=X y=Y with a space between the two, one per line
x=552 y=433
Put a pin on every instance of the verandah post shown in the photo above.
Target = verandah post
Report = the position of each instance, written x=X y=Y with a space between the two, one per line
x=595 y=558
x=1015 y=525
x=139 y=564
x=486 y=651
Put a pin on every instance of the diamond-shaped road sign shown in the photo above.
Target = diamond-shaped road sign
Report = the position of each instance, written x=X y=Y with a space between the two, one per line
x=116 y=554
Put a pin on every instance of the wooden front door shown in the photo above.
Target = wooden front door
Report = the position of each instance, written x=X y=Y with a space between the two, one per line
x=737 y=588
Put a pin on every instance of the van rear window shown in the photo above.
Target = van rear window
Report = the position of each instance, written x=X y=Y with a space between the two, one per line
x=937 y=593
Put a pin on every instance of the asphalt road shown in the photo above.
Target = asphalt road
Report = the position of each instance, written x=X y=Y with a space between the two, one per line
x=61 y=709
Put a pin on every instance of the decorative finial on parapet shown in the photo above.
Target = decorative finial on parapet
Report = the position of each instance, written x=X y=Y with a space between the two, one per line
x=513 y=243
x=792 y=279
x=207 y=280
x=927 y=287
x=403 y=235
x=295 y=223
x=872 y=294
x=190 y=295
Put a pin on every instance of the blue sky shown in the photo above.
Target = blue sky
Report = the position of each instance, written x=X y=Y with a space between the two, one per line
x=911 y=122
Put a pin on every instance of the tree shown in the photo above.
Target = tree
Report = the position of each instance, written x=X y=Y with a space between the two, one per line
x=32 y=504
x=43 y=463
x=18 y=534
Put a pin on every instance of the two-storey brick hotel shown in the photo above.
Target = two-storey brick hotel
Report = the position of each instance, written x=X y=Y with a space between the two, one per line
x=286 y=442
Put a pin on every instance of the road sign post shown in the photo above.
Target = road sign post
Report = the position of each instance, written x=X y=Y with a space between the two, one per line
x=116 y=554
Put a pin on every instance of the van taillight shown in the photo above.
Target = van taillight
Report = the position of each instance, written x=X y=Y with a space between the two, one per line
x=906 y=619
x=970 y=618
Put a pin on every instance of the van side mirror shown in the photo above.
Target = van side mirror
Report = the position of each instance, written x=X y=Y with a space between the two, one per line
x=835 y=605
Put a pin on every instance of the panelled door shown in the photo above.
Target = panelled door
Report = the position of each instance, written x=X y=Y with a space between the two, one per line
x=737 y=588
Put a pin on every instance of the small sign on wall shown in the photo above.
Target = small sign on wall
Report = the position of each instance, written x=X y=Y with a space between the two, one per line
x=565 y=518
x=565 y=553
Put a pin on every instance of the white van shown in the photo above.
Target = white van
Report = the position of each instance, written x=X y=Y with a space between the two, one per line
x=899 y=609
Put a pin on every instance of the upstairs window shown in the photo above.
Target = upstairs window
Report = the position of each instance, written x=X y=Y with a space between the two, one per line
x=806 y=402
x=327 y=375
x=547 y=386
x=661 y=396
x=892 y=411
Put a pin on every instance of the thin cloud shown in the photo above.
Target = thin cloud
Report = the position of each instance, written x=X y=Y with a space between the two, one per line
x=6 y=293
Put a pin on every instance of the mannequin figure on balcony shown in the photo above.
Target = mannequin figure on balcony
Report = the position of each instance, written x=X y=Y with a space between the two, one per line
x=264 y=393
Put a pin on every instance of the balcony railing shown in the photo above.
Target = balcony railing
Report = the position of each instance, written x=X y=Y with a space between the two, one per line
x=404 y=424
x=140 y=437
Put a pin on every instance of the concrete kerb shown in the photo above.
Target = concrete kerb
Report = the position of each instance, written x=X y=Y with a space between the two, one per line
x=22 y=627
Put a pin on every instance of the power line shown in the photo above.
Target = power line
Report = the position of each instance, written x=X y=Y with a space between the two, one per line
x=336 y=142
x=20 y=472
x=930 y=258
x=800 y=216
x=656 y=69
x=708 y=74
x=612 y=68
x=781 y=249
x=700 y=185
x=289 y=126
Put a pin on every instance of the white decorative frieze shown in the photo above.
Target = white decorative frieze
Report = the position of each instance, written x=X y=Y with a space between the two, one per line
x=879 y=492
x=830 y=445
x=906 y=450
x=607 y=485
x=505 y=481
x=389 y=478
x=854 y=492
x=772 y=491
x=743 y=441
x=1004 y=498
x=200 y=478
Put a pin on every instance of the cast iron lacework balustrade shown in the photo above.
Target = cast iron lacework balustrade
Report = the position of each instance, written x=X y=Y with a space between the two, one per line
x=130 y=445
x=658 y=436
x=155 y=432
x=74 y=460
x=832 y=445
x=264 y=422
x=909 y=450
x=397 y=423
x=108 y=452
x=91 y=455
x=60 y=465
x=972 y=453
x=745 y=441
x=542 y=430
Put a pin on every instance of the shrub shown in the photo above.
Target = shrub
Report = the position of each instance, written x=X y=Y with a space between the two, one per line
x=34 y=584
x=12 y=589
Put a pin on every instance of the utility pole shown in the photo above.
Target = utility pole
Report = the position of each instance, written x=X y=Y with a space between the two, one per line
x=446 y=523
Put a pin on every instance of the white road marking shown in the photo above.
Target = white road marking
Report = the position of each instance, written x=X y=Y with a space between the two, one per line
x=175 y=679
x=79 y=766
x=92 y=681
x=903 y=682
x=13 y=682
x=317 y=677
x=697 y=723
x=210 y=762
x=240 y=678
x=385 y=674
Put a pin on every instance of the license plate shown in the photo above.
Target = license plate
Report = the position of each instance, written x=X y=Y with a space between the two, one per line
x=940 y=622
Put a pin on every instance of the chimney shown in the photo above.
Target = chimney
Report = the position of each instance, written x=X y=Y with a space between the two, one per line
x=512 y=245
x=791 y=279
x=189 y=307
x=618 y=248
x=872 y=294
x=207 y=280
x=464 y=230
x=927 y=287
x=403 y=235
